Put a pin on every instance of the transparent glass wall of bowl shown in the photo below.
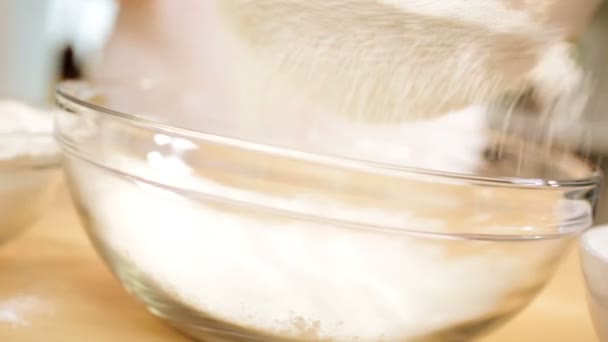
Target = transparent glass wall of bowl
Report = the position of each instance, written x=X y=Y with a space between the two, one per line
x=277 y=229
x=541 y=204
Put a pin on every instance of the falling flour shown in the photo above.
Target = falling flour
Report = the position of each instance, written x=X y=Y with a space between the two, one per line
x=396 y=60
x=292 y=278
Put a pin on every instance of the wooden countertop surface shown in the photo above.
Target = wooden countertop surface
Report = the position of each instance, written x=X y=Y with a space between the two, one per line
x=55 y=288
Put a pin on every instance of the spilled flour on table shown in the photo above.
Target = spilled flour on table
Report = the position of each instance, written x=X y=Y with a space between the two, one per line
x=16 y=311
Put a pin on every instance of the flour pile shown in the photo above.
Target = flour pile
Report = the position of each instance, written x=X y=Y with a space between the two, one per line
x=295 y=278
x=25 y=131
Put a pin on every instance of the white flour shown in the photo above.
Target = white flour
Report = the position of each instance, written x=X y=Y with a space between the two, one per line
x=16 y=310
x=313 y=281
x=25 y=131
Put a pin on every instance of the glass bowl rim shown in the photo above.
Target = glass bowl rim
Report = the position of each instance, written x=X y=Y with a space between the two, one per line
x=63 y=93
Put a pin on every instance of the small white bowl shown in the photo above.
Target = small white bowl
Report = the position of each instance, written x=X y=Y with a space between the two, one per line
x=594 y=256
x=28 y=179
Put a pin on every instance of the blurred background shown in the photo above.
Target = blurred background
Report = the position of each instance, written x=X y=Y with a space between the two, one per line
x=41 y=40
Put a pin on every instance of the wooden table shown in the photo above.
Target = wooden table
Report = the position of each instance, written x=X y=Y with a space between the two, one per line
x=55 y=288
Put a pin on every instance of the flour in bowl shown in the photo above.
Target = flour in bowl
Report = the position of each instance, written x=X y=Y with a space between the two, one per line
x=25 y=131
x=310 y=280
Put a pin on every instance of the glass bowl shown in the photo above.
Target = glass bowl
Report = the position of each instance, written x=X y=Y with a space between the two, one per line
x=29 y=177
x=594 y=258
x=236 y=229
